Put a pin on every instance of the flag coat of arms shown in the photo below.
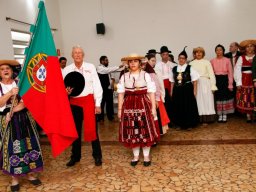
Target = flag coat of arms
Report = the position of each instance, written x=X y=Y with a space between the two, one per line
x=42 y=87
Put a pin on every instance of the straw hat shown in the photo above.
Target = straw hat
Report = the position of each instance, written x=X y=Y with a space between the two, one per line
x=244 y=43
x=133 y=56
x=9 y=62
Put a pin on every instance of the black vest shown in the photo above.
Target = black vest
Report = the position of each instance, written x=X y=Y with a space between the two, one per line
x=104 y=80
x=186 y=78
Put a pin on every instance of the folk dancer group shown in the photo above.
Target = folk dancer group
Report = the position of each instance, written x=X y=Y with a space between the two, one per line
x=151 y=96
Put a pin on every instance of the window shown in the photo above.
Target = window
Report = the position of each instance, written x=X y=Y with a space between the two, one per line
x=20 y=40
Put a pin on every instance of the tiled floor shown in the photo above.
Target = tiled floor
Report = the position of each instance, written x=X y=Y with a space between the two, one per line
x=212 y=158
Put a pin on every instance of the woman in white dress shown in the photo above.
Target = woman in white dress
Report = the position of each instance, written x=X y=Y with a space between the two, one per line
x=206 y=86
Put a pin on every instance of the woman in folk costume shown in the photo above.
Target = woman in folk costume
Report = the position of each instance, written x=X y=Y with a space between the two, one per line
x=137 y=110
x=254 y=82
x=183 y=91
x=20 y=152
x=162 y=115
x=205 y=87
x=244 y=80
x=223 y=70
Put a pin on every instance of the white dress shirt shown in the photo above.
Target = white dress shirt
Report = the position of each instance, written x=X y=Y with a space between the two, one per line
x=165 y=68
x=102 y=69
x=92 y=82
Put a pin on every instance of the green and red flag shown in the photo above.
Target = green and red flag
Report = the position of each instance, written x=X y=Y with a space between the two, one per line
x=42 y=87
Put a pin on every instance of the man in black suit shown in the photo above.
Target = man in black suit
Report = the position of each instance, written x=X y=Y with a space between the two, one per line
x=104 y=72
x=233 y=53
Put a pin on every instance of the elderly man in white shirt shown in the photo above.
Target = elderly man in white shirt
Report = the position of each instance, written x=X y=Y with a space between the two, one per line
x=84 y=106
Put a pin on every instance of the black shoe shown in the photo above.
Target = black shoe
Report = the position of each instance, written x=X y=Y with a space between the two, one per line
x=154 y=145
x=111 y=118
x=72 y=162
x=98 y=161
x=134 y=163
x=35 y=182
x=15 y=188
x=147 y=163
x=249 y=121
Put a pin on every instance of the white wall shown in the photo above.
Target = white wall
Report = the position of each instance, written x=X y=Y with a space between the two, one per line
x=138 y=25
x=26 y=11
x=134 y=25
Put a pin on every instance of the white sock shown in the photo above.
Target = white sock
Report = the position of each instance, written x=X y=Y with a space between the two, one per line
x=220 y=117
x=224 y=117
x=146 y=151
x=136 y=153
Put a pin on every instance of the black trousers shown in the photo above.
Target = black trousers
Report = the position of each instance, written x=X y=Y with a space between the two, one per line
x=108 y=100
x=76 y=146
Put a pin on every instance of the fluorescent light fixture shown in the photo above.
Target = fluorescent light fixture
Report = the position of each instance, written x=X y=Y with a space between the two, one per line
x=18 y=36
x=20 y=46
x=19 y=56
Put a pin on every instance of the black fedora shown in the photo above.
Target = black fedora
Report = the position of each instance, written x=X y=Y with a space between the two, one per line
x=151 y=51
x=164 y=49
x=76 y=81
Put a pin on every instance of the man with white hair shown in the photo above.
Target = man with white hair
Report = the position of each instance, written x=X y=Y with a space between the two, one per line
x=84 y=105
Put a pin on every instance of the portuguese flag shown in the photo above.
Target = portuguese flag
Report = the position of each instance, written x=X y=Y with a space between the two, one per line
x=42 y=87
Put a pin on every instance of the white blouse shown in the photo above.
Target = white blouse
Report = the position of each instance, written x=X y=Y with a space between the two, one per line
x=205 y=70
x=181 y=68
x=6 y=89
x=136 y=81
x=238 y=70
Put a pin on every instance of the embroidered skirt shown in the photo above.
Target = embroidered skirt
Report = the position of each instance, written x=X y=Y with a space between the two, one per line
x=245 y=96
x=21 y=152
x=137 y=127
x=223 y=96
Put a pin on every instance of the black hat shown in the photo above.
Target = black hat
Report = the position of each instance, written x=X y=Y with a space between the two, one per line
x=184 y=52
x=151 y=51
x=164 y=49
x=76 y=81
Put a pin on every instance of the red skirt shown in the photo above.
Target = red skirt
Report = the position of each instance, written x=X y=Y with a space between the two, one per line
x=137 y=127
x=245 y=96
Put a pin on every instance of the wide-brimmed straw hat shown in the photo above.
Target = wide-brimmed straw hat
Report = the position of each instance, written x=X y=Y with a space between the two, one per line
x=16 y=67
x=244 y=43
x=133 y=56
x=9 y=62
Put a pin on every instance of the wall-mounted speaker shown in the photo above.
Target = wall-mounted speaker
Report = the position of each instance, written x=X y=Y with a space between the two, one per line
x=100 y=28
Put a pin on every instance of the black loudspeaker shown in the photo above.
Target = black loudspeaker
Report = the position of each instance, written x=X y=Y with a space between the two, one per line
x=100 y=28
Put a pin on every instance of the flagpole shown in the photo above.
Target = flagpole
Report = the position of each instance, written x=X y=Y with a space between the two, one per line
x=15 y=96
